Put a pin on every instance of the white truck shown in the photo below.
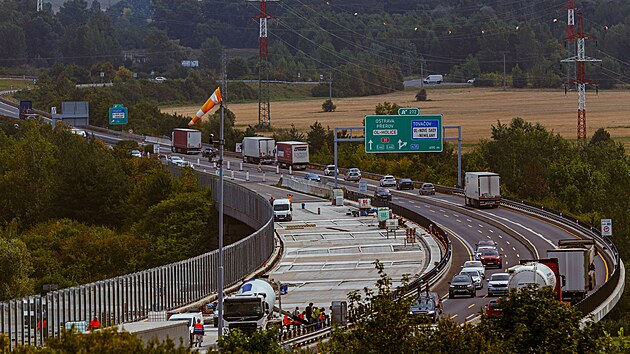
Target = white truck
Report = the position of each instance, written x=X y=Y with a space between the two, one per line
x=250 y=309
x=531 y=273
x=259 y=149
x=292 y=154
x=482 y=189
x=576 y=264
x=186 y=141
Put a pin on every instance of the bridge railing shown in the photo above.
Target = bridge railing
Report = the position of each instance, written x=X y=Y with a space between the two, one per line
x=128 y=298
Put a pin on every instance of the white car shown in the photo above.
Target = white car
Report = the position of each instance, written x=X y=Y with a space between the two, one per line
x=475 y=275
x=498 y=284
x=330 y=170
x=354 y=169
x=471 y=81
x=388 y=181
x=477 y=265
x=160 y=79
x=176 y=160
x=136 y=153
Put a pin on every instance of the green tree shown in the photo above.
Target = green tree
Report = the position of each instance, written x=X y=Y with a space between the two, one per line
x=386 y=108
x=260 y=342
x=533 y=321
x=316 y=137
x=15 y=269
x=211 y=54
x=519 y=79
x=328 y=106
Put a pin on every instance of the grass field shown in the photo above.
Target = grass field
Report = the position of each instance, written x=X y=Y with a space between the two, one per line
x=14 y=84
x=475 y=109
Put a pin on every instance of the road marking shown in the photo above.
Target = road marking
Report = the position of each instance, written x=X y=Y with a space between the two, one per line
x=468 y=220
x=455 y=215
x=485 y=296
x=508 y=242
x=459 y=220
x=491 y=230
x=513 y=248
x=517 y=256
x=442 y=211
x=479 y=231
x=444 y=297
x=500 y=236
x=480 y=225
x=470 y=226
x=412 y=202
x=469 y=316
x=489 y=237
x=506 y=263
x=433 y=211
x=446 y=216
x=501 y=249
x=471 y=306
x=452 y=317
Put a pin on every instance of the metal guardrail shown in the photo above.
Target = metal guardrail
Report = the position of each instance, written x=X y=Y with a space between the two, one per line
x=128 y=298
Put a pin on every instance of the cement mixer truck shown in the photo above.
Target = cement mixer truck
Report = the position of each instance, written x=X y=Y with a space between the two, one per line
x=540 y=272
x=250 y=309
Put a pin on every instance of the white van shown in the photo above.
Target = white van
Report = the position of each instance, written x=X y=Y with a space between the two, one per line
x=282 y=210
x=190 y=318
x=433 y=79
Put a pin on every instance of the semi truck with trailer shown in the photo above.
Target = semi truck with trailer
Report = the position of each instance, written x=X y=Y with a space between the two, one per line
x=540 y=272
x=251 y=308
x=482 y=189
x=259 y=149
x=186 y=141
x=292 y=154
x=576 y=263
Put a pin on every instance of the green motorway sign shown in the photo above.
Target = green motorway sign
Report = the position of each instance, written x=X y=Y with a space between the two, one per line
x=403 y=133
x=118 y=114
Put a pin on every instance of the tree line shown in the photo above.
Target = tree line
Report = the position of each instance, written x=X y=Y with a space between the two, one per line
x=367 y=50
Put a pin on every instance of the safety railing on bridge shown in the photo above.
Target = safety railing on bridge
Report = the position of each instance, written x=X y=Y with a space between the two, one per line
x=130 y=297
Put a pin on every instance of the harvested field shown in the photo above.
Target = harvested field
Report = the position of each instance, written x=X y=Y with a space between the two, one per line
x=475 y=109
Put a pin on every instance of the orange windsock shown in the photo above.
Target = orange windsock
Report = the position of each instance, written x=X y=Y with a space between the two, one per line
x=213 y=100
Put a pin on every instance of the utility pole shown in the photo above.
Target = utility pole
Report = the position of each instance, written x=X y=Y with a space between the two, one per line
x=40 y=5
x=264 y=114
x=422 y=73
x=580 y=60
x=220 y=198
x=570 y=44
x=330 y=86
x=504 y=74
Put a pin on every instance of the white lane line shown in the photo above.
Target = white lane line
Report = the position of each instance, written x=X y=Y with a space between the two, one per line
x=513 y=248
x=455 y=215
x=500 y=236
x=446 y=216
x=480 y=225
x=491 y=230
x=479 y=231
x=442 y=211
x=468 y=220
x=469 y=316
x=433 y=211
x=508 y=242
x=459 y=220
x=518 y=256
x=501 y=251
x=470 y=226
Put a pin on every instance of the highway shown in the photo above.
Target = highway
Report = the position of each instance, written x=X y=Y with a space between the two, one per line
x=465 y=231
x=446 y=211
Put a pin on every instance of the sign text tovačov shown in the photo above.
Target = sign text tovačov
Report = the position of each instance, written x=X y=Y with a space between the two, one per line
x=403 y=133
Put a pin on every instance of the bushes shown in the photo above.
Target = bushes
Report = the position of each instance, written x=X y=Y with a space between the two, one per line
x=421 y=95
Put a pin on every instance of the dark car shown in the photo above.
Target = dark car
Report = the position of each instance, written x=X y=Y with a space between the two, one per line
x=382 y=193
x=312 y=177
x=426 y=307
x=461 y=284
x=209 y=152
x=404 y=183
x=491 y=257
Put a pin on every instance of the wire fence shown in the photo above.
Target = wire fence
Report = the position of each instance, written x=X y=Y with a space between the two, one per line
x=130 y=297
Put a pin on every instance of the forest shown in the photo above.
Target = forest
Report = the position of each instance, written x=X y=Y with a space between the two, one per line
x=367 y=46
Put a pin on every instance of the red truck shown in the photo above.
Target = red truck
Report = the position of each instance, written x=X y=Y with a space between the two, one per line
x=186 y=141
x=292 y=154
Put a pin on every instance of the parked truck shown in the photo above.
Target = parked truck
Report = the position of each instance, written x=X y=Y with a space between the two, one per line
x=541 y=272
x=576 y=263
x=259 y=149
x=26 y=110
x=186 y=141
x=251 y=308
x=482 y=189
x=292 y=154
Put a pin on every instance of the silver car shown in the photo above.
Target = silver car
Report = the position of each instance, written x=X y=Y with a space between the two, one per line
x=426 y=189
x=498 y=284
x=475 y=275
x=353 y=176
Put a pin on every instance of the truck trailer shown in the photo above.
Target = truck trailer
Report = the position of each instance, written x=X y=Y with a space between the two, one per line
x=251 y=308
x=292 y=154
x=540 y=272
x=576 y=263
x=186 y=141
x=259 y=149
x=26 y=110
x=482 y=189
